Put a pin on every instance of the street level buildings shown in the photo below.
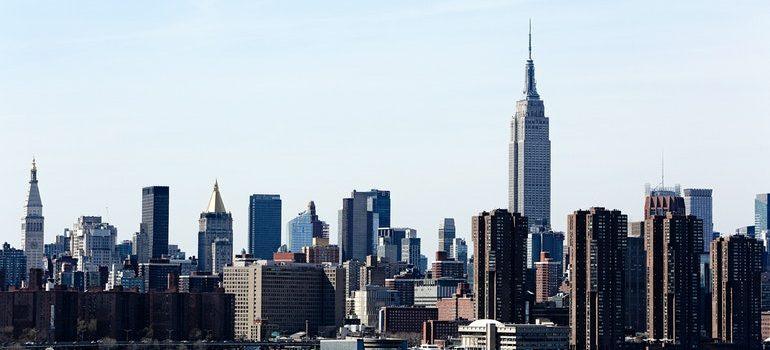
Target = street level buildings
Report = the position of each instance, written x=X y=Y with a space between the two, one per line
x=499 y=250
x=32 y=224
x=597 y=243
x=494 y=335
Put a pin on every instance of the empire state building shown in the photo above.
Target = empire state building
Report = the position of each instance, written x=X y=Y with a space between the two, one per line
x=529 y=168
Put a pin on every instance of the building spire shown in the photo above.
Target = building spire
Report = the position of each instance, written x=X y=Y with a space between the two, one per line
x=33 y=196
x=216 y=205
x=530 y=88
x=530 y=39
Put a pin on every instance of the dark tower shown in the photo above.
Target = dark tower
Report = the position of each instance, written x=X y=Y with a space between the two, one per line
x=155 y=219
x=500 y=265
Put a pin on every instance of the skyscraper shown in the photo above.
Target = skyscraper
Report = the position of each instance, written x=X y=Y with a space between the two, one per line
x=410 y=249
x=597 y=239
x=737 y=294
x=264 y=225
x=636 y=280
x=359 y=219
x=661 y=200
x=155 y=201
x=674 y=243
x=547 y=277
x=32 y=224
x=214 y=225
x=529 y=157
x=459 y=250
x=500 y=266
x=92 y=243
x=303 y=228
x=698 y=202
x=446 y=234
x=547 y=241
x=761 y=216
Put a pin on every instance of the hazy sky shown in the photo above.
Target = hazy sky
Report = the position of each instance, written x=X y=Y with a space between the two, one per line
x=312 y=99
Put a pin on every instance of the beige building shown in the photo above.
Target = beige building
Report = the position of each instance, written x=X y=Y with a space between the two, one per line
x=283 y=296
x=494 y=335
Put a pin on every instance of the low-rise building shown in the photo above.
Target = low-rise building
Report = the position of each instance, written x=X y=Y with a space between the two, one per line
x=494 y=335
x=405 y=319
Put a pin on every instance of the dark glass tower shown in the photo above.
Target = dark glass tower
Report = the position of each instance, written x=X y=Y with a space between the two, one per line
x=264 y=225
x=155 y=219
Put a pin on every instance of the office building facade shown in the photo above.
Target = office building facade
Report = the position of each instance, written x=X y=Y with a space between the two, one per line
x=446 y=234
x=155 y=203
x=699 y=203
x=264 y=225
x=359 y=220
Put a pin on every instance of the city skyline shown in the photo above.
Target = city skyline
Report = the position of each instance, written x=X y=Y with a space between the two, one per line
x=118 y=173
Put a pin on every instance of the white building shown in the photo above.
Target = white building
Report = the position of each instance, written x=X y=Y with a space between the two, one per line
x=529 y=155
x=92 y=242
x=32 y=224
x=494 y=335
x=368 y=301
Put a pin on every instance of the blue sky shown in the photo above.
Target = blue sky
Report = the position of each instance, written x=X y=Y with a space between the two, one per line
x=312 y=99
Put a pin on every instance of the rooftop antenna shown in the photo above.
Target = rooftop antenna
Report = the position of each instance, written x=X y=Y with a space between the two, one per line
x=530 y=39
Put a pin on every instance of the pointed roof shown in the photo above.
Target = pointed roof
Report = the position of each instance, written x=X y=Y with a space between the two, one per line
x=33 y=197
x=215 y=203
x=530 y=88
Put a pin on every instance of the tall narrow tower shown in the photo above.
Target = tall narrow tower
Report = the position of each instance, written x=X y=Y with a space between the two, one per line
x=529 y=168
x=32 y=223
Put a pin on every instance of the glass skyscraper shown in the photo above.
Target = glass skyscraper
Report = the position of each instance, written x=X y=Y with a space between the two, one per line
x=761 y=214
x=264 y=225
x=155 y=201
x=698 y=202
x=550 y=242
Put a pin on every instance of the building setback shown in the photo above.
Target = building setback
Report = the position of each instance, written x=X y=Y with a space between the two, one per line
x=155 y=202
x=499 y=250
x=673 y=244
x=264 y=225
x=736 y=294
x=597 y=240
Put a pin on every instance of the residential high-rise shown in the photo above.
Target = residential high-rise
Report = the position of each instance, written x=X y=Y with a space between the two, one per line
x=597 y=243
x=736 y=294
x=155 y=201
x=359 y=219
x=303 y=228
x=546 y=241
x=264 y=225
x=636 y=279
x=500 y=266
x=92 y=243
x=215 y=225
x=140 y=246
x=547 y=277
x=698 y=202
x=221 y=254
x=529 y=157
x=446 y=234
x=32 y=224
x=674 y=243
x=761 y=216
x=13 y=267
